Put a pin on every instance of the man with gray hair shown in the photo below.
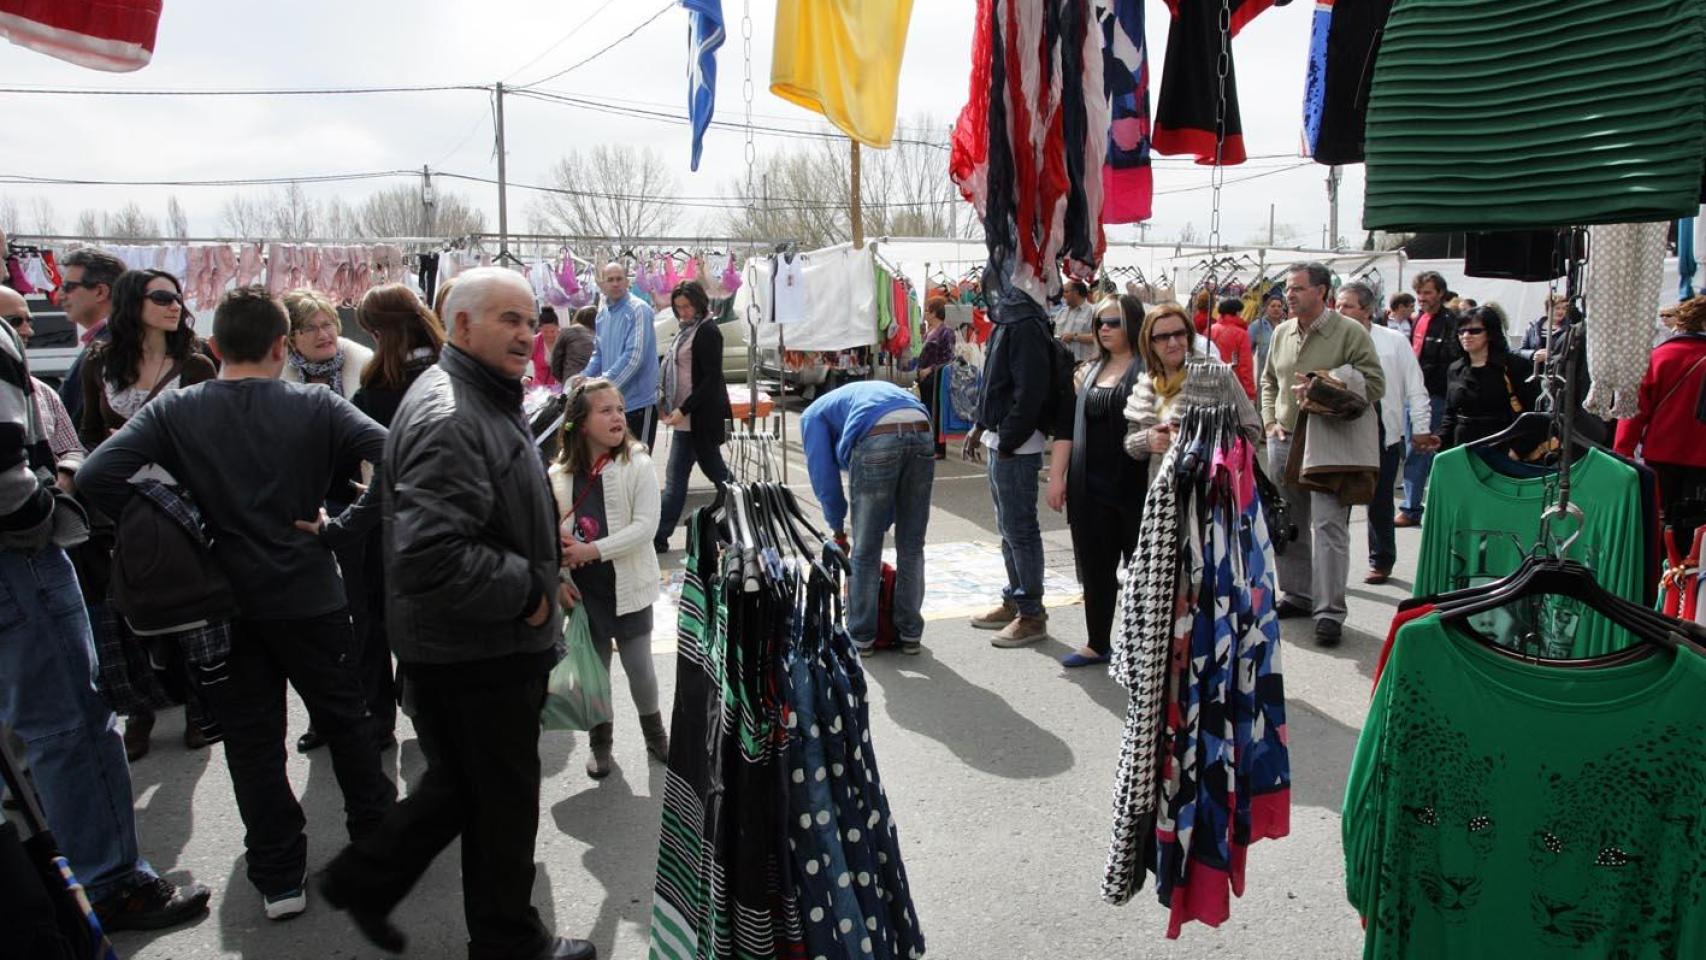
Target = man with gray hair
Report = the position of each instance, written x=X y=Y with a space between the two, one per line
x=86 y=292
x=1312 y=571
x=626 y=351
x=1406 y=393
x=472 y=558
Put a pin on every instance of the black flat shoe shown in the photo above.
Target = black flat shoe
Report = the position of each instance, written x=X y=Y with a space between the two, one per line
x=154 y=904
x=564 y=948
x=1289 y=611
x=377 y=928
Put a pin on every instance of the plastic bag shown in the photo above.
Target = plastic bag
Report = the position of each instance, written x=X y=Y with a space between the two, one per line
x=577 y=697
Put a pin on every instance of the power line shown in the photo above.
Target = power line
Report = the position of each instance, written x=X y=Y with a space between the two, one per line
x=24 y=179
x=606 y=48
x=1253 y=176
x=190 y=92
x=560 y=40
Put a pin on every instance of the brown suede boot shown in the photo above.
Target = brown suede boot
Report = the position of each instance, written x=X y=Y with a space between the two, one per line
x=138 y=728
x=600 y=739
x=657 y=738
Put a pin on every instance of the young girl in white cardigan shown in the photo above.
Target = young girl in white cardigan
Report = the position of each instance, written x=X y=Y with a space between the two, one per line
x=607 y=504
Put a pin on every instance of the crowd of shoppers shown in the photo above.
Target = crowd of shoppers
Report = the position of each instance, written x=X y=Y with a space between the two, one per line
x=390 y=502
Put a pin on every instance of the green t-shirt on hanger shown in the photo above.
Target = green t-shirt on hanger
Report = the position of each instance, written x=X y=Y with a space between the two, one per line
x=1478 y=525
x=1506 y=810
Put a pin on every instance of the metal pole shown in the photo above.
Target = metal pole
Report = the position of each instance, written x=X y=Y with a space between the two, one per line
x=427 y=201
x=503 y=179
x=1270 y=224
x=1334 y=174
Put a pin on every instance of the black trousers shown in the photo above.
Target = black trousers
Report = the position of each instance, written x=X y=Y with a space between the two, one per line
x=930 y=390
x=364 y=584
x=1103 y=537
x=481 y=741
x=643 y=424
x=316 y=656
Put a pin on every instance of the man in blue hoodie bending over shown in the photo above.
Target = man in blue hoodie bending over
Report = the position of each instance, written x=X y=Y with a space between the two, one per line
x=880 y=434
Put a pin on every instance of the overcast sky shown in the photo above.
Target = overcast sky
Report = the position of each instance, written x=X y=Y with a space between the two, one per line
x=205 y=44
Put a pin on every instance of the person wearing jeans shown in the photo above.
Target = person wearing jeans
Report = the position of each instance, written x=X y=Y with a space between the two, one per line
x=47 y=690
x=695 y=404
x=1433 y=338
x=1021 y=397
x=881 y=435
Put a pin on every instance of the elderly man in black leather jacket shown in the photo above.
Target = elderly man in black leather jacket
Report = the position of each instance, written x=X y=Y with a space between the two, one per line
x=471 y=554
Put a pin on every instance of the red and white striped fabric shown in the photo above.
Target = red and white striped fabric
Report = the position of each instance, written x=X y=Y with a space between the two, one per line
x=113 y=35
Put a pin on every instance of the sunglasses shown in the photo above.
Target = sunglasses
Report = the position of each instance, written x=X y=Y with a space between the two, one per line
x=1164 y=337
x=1470 y=331
x=164 y=298
x=1109 y=322
x=69 y=285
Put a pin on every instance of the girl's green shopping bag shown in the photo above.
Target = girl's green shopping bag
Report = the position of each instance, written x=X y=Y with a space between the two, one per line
x=578 y=694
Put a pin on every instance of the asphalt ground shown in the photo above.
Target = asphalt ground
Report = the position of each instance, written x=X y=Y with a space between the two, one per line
x=999 y=766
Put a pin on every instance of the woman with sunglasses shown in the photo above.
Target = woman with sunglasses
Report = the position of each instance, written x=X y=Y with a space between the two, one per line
x=1488 y=386
x=153 y=349
x=1099 y=486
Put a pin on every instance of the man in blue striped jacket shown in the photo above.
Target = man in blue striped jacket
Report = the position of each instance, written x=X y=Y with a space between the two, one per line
x=626 y=351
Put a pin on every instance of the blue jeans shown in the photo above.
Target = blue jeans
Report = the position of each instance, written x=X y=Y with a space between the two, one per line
x=684 y=451
x=71 y=739
x=1418 y=465
x=1013 y=486
x=890 y=476
x=1382 y=538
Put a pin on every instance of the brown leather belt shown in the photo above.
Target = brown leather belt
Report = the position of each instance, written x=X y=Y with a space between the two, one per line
x=910 y=426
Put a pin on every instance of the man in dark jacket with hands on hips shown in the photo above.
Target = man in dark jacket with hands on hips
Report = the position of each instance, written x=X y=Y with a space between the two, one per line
x=471 y=555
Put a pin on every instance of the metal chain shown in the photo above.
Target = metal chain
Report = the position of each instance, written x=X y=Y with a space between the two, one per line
x=1217 y=174
x=746 y=91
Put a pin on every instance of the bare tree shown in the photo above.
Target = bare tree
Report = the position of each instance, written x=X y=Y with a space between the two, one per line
x=10 y=221
x=245 y=216
x=129 y=223
x=608 y=190
x=1283 y=235
x=42 y=217
x=292 y=215
x=399 y=212
x=89 y=223
x=805 y=194
x=338 y=218
x=177 y=222
x=1188 y=233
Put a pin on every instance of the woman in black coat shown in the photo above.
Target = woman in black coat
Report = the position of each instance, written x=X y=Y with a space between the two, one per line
x=1488 y=386
x=697 y=400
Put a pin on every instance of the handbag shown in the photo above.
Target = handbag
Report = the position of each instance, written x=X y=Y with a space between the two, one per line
x=577 y=695
x=1275 y=510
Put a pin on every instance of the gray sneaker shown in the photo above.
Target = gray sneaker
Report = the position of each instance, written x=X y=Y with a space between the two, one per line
x=997 y=618
x=1022 y=631
x=911 y=647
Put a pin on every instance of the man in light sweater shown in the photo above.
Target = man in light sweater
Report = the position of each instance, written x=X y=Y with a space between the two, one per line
x=626 y=351
x=1312 y=572
x=1406 y=393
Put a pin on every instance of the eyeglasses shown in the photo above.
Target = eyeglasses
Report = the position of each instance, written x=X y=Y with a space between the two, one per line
x=1164 y=337
x=1470 y=331
x=17 y=320
x=165 y=298
x=318 y=327
x=1109 y=322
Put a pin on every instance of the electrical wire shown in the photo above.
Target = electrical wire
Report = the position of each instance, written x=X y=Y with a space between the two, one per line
x=670 y=5
x=560 y=40
x=188 y=92
x=24 y=179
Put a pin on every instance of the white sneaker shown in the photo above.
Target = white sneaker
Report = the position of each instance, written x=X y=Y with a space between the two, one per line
x=291 y=903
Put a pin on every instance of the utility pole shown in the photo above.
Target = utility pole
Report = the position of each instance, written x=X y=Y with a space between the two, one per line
x=856 y=211
x=1270 y=224
x=503 y=180
x=427 y=202
x=1335 y=173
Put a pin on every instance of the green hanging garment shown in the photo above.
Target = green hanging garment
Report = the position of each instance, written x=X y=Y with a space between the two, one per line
x=1516 y=114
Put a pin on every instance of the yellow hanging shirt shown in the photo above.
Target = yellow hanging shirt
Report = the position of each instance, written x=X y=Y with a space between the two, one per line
x=841 y=58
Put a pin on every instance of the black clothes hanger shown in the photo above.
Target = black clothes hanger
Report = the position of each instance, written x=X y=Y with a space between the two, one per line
x=1544 y=575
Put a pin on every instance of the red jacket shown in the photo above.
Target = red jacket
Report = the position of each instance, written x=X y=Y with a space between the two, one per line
x=1666 y=429
x=1233 y=341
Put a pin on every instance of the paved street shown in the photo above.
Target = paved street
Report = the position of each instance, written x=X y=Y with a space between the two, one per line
x=999 y=766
